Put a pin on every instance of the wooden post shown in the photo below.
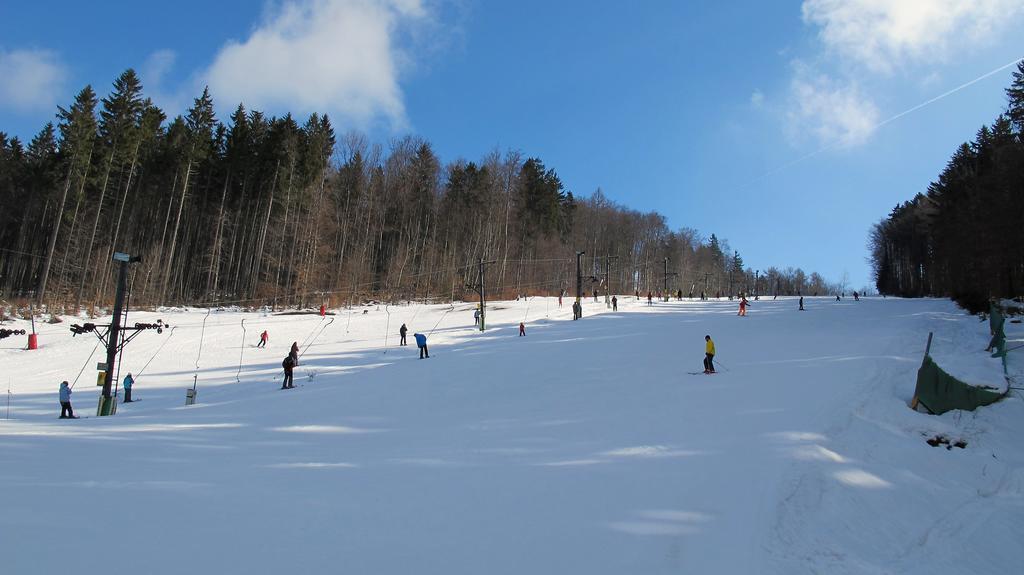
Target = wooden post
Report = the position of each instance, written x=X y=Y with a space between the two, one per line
x=927 y=350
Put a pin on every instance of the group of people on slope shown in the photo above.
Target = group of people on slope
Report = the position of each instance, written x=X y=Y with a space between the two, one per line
x=291 y=361
x=64 y=396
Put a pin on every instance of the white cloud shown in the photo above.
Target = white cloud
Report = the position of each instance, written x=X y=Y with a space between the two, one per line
x=836 y=113
x=340 y=57
x=156 y=67
x=757 y=99
x=884 y=34
x=30 y=80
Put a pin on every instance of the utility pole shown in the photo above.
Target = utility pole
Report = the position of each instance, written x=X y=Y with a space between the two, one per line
x=579 y=277
x=607 y=286
x=483 y=307
x=757 y=294
x=665 y=293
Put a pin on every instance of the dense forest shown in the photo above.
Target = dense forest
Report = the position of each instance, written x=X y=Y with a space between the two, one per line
x=264 y=210
x=964 y=237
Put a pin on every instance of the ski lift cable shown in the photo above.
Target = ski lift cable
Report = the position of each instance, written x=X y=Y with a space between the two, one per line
x=157 y=351
x=84 y=365
x=199 y=352
x=319 y=333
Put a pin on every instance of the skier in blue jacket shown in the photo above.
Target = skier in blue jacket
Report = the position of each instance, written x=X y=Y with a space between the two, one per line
x=65 y=402
x=128 y=381
x=421 y=342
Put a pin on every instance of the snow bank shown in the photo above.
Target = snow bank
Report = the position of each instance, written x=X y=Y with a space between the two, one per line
x=584 y=447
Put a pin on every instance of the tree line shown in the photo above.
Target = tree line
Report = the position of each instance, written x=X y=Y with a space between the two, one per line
x=964 y=237
x=264 y=210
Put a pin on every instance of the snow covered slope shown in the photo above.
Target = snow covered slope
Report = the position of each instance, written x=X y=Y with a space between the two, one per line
x=584 y=447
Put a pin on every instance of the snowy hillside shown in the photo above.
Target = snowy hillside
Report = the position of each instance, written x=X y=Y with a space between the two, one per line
x=583 y=447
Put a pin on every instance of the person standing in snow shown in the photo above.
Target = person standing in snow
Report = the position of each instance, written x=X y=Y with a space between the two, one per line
x=709 y=355
x=65 y=402
x=560 y=298
x=476 y=317
x=127 y=384
x=289 y=366
x=421 y=342
x=649 y=298
x=323 y=310
x=522 y=329
x=263 y=339
x=743 y=306
x=801 y=303
x=615 y=303
x=401 y=332
x=595 y=295
x=294 y=353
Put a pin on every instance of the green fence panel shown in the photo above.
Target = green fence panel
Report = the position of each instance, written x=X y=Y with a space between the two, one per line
x=940 y=392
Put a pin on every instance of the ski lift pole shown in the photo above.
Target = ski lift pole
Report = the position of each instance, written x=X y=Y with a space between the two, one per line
x=190 y=395
x=240 y=353
x=387 y=327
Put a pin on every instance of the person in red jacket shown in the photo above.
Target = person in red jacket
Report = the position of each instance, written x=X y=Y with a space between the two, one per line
x=743 y=306
x=263 y=339
x=323 y=310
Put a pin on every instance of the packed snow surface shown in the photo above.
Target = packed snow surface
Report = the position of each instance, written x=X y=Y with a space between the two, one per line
x=583 y=447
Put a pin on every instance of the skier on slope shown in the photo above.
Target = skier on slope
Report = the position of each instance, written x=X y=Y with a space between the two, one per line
x=127 y=384
x=421 y=342
x=294 y=353
x=65 y=402
x=401 y=332
x=650 y=301
x=323 y=310
x=709 y=355
x=743 y=306
x=288 y=364
x=801 y=303
x=476 y=317
x=522 y=329
x=263 y=339
x=615 y=303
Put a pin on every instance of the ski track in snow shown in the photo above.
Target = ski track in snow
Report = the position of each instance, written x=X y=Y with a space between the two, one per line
x=584 y=447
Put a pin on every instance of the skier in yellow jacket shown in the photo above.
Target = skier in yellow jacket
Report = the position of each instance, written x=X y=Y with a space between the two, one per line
x=709 y=355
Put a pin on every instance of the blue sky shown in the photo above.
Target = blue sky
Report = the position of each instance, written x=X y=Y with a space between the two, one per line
x=695 y=109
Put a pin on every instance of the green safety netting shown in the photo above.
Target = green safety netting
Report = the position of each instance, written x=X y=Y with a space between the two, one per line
x=940 y=392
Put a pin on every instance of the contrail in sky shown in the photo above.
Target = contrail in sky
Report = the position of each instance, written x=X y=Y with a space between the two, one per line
x=883 y=122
